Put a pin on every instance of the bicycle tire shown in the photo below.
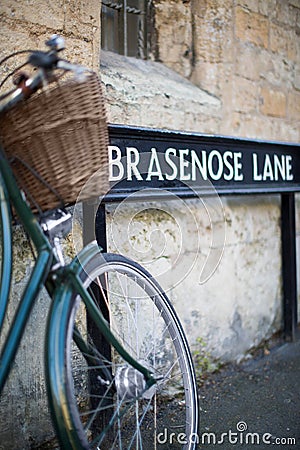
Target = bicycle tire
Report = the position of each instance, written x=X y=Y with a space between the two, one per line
x=107 y=401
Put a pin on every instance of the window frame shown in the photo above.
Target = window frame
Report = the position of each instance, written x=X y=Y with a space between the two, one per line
x=125 y=27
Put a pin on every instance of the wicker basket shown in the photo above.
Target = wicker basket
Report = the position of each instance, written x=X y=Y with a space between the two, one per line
x=56 y=140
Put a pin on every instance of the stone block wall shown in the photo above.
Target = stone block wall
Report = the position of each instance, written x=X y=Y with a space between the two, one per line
x=241 y=59
x=246 y=53
x=29 y=24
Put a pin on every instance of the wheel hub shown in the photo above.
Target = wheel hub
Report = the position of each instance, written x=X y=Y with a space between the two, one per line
x=130 y=384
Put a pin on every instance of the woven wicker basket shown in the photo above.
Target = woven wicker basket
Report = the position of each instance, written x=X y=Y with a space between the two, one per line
x=56 y=140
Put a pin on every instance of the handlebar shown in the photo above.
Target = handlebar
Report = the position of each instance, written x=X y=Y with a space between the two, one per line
x=46 y=62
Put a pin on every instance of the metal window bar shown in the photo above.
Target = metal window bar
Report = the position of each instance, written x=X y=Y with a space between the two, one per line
x=124 y=27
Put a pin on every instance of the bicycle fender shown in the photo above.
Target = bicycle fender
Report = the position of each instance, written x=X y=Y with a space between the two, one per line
x=84 y=256
x=55 y=340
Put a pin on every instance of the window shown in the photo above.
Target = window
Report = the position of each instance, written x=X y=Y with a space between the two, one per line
x=124 y=27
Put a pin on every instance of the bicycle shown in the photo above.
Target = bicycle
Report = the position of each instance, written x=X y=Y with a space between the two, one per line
x=117 y=361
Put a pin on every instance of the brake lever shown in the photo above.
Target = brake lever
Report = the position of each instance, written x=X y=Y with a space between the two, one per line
x=43 y=60
x=48 y=60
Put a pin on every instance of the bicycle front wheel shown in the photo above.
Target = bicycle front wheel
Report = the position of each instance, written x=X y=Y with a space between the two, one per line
x=109 y=403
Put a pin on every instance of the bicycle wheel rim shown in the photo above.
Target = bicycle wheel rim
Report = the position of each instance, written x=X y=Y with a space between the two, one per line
x=147 y=326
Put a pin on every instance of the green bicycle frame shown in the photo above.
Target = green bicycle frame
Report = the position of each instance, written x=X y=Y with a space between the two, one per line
x=10 y=192
x=61 y=284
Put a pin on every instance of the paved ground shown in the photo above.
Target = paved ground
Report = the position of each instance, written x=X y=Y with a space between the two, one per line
x=255 y=405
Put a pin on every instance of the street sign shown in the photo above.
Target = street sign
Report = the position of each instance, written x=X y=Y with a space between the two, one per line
x=182 y=162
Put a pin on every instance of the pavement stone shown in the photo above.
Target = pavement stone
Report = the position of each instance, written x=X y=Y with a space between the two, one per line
x=253 y=405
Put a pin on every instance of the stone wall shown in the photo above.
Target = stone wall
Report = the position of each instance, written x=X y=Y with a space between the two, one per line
x=29 y=24
x=239 y=68
x=246 y=53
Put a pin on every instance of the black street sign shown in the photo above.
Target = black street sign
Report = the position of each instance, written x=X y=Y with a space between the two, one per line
x=182 y=162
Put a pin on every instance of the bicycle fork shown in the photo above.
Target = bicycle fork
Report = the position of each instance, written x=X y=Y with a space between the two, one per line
x=68 y=282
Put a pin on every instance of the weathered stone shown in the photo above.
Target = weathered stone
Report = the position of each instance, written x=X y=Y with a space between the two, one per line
x=155 y=103
x=43 y=13
x=245 y=95
x=251 y=27
x=296 y=77
x=294 y=106
x=273 y=102
x=295 y=3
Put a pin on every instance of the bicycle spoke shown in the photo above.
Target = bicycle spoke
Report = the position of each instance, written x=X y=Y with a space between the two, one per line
x=112 y=405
